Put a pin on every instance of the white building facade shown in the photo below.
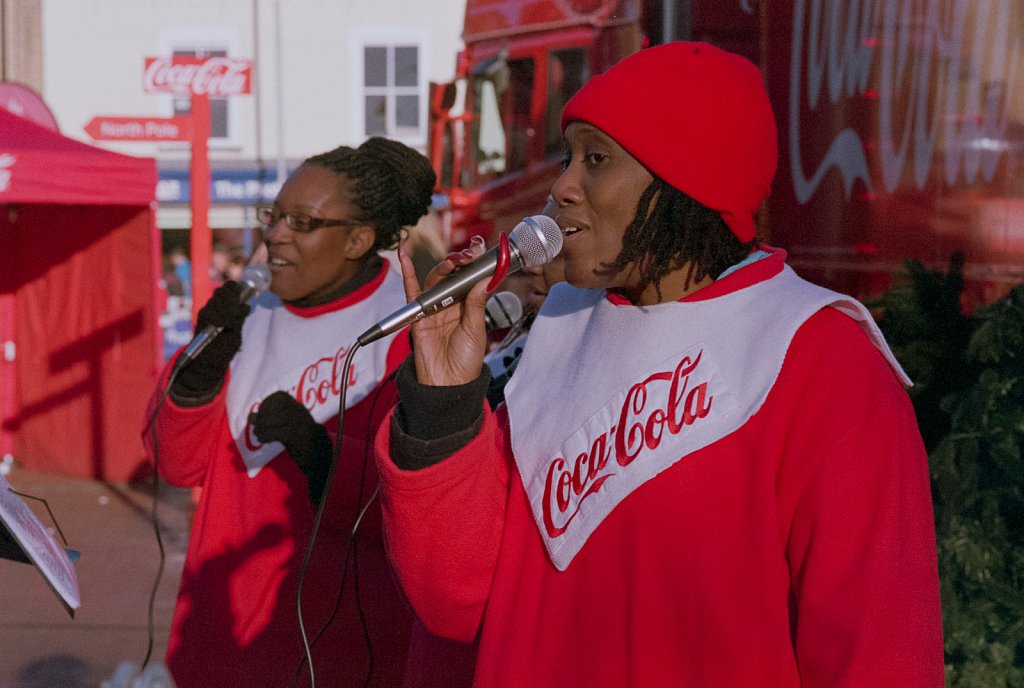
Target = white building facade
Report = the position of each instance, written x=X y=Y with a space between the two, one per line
x=325 y=73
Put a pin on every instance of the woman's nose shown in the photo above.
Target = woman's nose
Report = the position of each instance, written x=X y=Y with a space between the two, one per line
x=566 y=189
x=275 y=232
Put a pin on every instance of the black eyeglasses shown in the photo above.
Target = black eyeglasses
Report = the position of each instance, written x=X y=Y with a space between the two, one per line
x=297 y=222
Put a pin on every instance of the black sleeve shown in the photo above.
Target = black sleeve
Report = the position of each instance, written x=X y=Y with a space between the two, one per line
x=432 y=423
x=192 y=398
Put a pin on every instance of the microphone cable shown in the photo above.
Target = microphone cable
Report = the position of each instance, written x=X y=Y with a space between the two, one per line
x=151 y=427
x=351 y=545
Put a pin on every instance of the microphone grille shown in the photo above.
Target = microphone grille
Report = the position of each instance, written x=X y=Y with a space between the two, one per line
x=256 y=277
x=503 y=310
x=538 y=239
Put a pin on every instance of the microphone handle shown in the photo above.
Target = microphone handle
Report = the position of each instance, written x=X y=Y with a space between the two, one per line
x=394 y=322
x=460 y=282
x=451 y=289
x=210 y=332
x=198 y=343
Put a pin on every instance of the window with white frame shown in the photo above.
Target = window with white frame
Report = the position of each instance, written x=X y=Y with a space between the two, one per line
x=392 y=101
x=200 y=41
x=389 y=69
x=218 y=106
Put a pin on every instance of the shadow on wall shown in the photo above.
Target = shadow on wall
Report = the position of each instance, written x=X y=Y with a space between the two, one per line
x=79 y=367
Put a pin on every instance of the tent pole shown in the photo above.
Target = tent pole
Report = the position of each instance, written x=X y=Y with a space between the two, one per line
x=200 y=238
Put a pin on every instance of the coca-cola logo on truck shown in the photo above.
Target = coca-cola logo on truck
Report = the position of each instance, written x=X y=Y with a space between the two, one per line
x=218 y=77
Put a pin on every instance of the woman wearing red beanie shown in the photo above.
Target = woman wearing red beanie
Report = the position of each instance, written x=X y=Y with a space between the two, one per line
x=707 y=471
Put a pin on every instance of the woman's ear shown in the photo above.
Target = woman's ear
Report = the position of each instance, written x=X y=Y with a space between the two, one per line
x=360 y=240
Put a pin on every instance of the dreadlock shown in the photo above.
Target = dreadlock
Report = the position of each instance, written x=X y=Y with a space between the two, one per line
x=392 y=184
x=679 y=230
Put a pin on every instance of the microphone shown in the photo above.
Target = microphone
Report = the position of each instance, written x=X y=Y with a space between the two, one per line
x=254 y=279
x=534 y=241
x=503 y=310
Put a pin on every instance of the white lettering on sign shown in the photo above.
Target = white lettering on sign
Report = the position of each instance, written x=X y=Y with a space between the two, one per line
x=161 y=130
x=6 y=162
x=121 y=129
x=943 y=79
x=250 y=189
x=219 y=77
x=171 y=190
x=168 y=190
x=139 y=128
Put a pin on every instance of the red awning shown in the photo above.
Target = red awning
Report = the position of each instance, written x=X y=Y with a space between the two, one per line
x=79 y=264
x=38 y=165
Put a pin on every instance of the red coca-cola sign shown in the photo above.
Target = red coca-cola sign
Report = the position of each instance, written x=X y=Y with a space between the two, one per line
x=218 y=77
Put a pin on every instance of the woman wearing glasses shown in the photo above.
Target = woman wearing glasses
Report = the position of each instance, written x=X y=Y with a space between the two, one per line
x=253 y=418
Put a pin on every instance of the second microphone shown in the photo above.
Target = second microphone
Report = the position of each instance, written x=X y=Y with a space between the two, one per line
x=534 y=241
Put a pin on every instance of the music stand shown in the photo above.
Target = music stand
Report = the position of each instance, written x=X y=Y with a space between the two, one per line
x=24 y=538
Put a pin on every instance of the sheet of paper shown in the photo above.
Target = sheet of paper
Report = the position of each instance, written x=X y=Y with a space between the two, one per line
x=39 y=545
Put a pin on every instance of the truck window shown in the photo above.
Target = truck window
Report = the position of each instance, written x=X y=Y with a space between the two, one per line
x=489 y=134
x=446 y=179
x=502 y=127
x=567 y=72
x=518 y=104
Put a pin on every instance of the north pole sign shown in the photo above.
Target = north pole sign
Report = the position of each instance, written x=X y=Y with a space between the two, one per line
x=140 y=128
x=217 y=77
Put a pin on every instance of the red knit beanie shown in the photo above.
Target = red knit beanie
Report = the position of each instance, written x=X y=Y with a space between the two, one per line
x=696 y=116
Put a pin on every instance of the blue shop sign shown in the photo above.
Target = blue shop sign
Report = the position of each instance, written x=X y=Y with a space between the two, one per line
x=227 y=185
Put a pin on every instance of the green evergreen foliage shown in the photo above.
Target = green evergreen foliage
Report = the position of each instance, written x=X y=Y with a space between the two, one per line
x=969 y=397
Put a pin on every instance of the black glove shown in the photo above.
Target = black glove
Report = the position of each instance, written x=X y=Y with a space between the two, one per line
x=281 y=418
x=201 y=379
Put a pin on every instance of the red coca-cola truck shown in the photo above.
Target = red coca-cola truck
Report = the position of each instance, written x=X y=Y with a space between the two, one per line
x=901 y=125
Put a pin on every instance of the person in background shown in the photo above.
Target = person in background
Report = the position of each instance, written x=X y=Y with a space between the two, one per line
x=219 y=261
x=423 y=244
x=253 y=420
x=706 y=471
x=236 y=265
x=182 y=267
x=533 y=284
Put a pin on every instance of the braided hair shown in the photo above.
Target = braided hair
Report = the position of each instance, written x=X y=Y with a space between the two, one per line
x=392 y=184
x=677 y=231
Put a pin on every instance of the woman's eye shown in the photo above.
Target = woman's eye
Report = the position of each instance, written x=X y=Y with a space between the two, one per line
x=589 y=159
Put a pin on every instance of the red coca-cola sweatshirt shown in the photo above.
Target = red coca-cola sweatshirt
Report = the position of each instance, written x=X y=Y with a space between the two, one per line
x=796 y=550
x=235 y=622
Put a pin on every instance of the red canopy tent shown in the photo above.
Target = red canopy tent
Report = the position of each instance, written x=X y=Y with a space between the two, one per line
x=79 y=262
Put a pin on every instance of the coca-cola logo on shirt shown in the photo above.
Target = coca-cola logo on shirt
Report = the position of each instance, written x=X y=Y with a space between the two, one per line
x=654 y=410
x=218 y=77
x=318 y=384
